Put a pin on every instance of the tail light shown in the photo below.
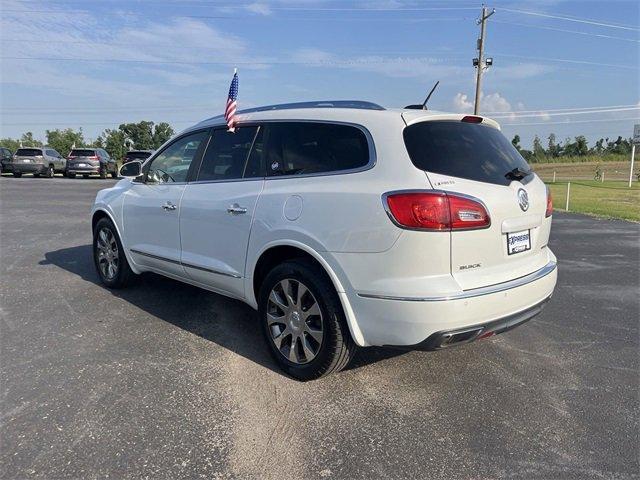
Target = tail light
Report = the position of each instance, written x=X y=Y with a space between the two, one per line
x=440 y=211
x=549 y=210
x=95 y=157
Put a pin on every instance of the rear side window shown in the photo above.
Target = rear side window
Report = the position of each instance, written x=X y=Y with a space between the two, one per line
x=464 y=150
x=226 y=155
x=28 y=152
x=82 y=153
x=299 y=148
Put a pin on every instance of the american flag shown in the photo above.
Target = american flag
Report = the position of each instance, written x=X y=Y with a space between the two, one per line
x=230 y=110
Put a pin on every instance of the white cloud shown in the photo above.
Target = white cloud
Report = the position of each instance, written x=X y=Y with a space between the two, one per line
x=461 y=103
x=395 y=67
x=494 y=102
x=259 y=8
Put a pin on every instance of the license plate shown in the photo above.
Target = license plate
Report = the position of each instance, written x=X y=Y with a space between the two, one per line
x=518 y=242
x=82 y=164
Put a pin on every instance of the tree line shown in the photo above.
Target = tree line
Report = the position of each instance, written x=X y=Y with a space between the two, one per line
x=146 y=135
x=578 y=147
x=143 y=135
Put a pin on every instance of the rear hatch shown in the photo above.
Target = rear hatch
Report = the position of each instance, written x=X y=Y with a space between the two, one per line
x=83 y=158
x=476 y=160
x=28 y=155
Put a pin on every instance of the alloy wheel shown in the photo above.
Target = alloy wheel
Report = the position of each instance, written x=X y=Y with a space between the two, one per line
x=108 y=255
x=295 y=321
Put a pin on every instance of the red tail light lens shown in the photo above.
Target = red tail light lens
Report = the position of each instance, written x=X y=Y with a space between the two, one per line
x=549 y=211
x=438 y=211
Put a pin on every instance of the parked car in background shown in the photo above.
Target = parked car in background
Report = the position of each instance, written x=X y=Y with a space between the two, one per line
x=5 y=160
x=343 y=224
x=140 y=155
x=38 y=161
x=91 y=161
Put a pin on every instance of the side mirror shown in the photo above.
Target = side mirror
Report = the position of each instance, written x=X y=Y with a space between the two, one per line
x=131 y=170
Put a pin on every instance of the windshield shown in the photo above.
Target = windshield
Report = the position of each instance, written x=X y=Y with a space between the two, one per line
x=28 y=152
x=465 y=150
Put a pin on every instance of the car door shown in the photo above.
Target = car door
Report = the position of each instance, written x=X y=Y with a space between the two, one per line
x=217 y=209
x=151 y=207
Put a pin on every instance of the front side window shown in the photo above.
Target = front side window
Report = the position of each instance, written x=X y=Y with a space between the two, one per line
x=299 y=148
x=226 y=155
x=172 y=164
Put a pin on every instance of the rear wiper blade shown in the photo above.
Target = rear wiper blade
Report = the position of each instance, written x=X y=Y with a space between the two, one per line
x=517 y=174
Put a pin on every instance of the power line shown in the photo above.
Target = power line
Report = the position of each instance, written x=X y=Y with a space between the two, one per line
x=599 y=120
x=317 y=63
x=571 y=109
x=572 y=19
x=585 y=112
x=577 y=32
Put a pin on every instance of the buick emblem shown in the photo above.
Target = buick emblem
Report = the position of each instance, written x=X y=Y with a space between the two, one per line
x=523 y=200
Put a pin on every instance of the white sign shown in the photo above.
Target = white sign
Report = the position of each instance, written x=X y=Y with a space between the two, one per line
x=636 y=134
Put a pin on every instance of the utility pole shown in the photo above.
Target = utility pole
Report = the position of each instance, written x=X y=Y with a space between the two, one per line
x=479 y=62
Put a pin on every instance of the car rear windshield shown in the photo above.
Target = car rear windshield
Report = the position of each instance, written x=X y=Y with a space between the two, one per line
x=28 y=152
x=138 y=155
x=465 y=150
x=82 y=153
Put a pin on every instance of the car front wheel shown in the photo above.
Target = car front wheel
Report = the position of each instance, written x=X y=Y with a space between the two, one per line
x=303 y=321
x=108 y=255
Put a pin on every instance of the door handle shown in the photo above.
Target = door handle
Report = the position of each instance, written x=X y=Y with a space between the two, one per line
x=168 y=207
x=236 y=209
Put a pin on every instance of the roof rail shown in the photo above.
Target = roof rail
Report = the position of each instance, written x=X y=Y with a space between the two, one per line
x=356 y=104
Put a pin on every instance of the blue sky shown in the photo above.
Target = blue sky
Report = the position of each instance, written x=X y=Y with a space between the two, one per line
x=97 y=63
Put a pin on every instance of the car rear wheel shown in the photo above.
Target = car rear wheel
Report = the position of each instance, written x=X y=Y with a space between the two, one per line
x=85 y=175
x=108 y=255
x=17 y=174
x=50 y=172
x=114 y=174
x=303 y=321
x=71 y=175
x=103 y=172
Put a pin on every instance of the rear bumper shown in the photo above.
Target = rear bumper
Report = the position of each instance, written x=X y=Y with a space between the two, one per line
x=425 y=323
x=28 y=167
x=460 y=336
x=83 y=170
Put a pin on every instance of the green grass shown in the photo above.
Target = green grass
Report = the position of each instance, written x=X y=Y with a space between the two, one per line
x=609 y=157
x=612 y=199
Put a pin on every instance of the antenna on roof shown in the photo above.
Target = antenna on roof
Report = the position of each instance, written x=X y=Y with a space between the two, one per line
x=424 y=104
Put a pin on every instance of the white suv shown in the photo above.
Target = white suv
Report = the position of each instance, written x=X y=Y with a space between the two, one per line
x=343 y=223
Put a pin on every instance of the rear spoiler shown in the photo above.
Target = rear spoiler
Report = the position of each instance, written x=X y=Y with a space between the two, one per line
x=416 y=116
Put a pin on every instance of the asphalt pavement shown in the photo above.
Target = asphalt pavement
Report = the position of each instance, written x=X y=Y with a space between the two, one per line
x=164 y=380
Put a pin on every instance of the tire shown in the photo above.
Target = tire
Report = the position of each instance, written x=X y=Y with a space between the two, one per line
x=114 y=174
x=71 y=175
x=50 y=172
x=123 y=275
x=36 y=175
x=85 y=175
x=103 y=172
x=17 y=174
x=336 y=347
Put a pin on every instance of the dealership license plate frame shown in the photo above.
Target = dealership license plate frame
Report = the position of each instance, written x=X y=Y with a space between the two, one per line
x=519 y=246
